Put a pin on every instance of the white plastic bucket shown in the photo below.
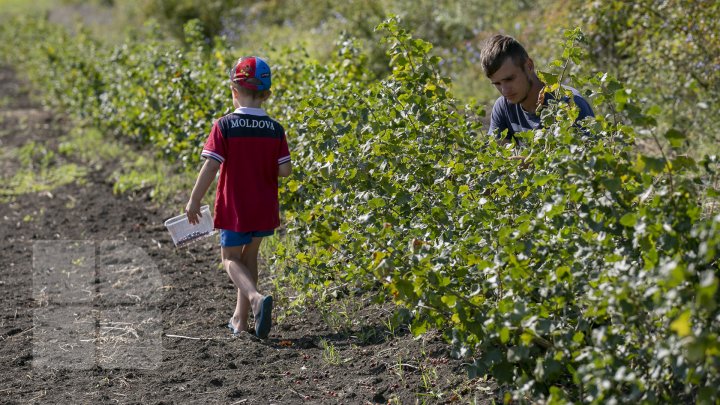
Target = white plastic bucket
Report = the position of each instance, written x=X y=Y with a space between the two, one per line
x=183 y=233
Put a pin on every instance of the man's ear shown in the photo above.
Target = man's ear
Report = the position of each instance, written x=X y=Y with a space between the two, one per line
x=529 y=65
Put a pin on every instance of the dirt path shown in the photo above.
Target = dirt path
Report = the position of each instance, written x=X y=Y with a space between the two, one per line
x=98 y=307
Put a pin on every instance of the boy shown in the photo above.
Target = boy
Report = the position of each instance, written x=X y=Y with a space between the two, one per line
x=512 y=72
x=251 y=151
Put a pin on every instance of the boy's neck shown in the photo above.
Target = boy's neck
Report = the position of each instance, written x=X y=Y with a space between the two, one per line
x=247 y=102
x=248 y=105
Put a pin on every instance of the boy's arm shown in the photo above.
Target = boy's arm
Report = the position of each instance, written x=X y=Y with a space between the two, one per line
x=202 y=184
x=285 y=169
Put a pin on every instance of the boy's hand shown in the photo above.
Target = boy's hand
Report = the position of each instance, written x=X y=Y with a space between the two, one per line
x=193 y=212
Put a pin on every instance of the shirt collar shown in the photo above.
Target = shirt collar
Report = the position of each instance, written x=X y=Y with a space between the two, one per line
x=250 y=111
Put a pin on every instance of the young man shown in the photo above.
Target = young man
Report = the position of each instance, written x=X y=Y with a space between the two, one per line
x=251 y=151
x=512 y=71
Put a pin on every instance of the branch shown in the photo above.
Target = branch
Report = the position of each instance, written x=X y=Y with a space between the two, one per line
x=190 y=338
x=542 y=342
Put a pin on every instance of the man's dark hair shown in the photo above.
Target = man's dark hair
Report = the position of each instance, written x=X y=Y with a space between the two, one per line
x=499 y=48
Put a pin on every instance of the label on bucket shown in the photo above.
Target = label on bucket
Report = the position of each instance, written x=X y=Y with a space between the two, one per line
x=193 y=236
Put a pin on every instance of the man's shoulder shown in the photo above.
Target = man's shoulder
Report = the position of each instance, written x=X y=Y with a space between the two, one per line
x=499 y=117
x=581 y=102
x=501 y=106
x=575 y=92
x=501 y=102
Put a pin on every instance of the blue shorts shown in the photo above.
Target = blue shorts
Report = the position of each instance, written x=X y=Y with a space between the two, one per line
x=232 y=238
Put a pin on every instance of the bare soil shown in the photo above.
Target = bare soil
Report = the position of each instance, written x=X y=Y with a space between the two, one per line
x=99 y=307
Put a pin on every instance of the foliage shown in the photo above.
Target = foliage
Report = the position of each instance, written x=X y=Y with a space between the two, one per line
x=443 y=22
x=148 y=91
x=672 y=59
x=174 y=14
x=565 y=277
x=454 y=27
x=584 y=273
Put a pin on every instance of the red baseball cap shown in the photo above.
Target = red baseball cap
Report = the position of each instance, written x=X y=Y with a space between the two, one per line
x=251 y=67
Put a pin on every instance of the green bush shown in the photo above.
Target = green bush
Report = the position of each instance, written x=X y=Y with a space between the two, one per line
x=668 y=51
x=587 y=274
x=145 y=90
x=174 y=14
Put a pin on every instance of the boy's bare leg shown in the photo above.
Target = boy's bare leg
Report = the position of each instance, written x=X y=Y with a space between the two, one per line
x=250 y=257
x=228 y=254
x=241 y=265
x=250 y=260
x=240 y=318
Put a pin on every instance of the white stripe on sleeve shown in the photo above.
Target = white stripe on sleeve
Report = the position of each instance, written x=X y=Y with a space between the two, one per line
x=212 y=155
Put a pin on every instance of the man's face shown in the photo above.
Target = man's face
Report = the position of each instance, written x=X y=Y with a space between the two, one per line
x=513 y=81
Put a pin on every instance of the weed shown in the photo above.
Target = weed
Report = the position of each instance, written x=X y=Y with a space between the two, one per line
x=368 y=335
x=91 y=147
x=390 y=326
x=40 y=170
x=399 y=369
x=330 y=355
x=429 y=378
x=341 y=315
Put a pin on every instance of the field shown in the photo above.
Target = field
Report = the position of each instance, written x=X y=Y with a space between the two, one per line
x=419 y=259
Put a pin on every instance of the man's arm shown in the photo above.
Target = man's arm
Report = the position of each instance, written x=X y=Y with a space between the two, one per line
x=499 y=121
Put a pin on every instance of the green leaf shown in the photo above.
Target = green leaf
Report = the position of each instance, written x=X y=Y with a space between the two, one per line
x=650 y=164
x=681 y=325
x=612 y=184
x=683 y=163
x=541 y=180
x=376 y=203
x=293 y=185
x=629 y=220
x=675 y=137
x=449 y=300
x=563 y=272
x=548 y=78
x=405 y=288
x=504 y=334
x=419 y=327
x=706 y=291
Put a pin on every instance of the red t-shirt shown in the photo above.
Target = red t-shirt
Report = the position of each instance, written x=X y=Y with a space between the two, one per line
x=250 y=146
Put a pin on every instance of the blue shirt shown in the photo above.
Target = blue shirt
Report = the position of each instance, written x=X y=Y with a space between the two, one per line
x=515 y=119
